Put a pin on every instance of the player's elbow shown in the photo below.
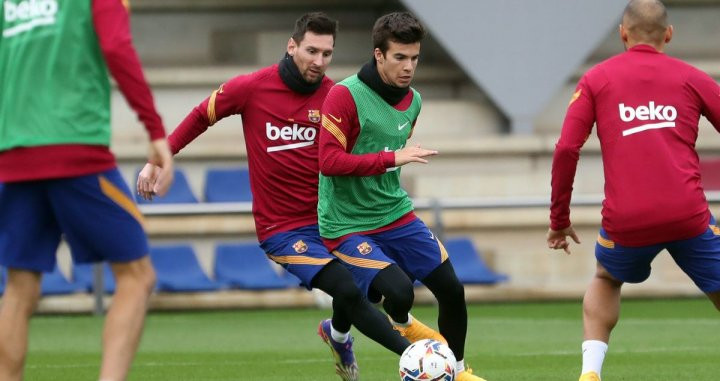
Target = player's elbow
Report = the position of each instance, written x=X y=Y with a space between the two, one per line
x=329 y=166
x=115 y=49
x=567 y=150
x=328 y=170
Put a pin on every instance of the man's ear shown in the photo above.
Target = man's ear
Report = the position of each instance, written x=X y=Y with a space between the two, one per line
x=379 y=56
x=669 y=33
x=291 y=46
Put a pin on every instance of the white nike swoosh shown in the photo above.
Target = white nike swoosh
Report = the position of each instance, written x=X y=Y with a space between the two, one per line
x=289 y=146
x=400 y=127
x=651 y=126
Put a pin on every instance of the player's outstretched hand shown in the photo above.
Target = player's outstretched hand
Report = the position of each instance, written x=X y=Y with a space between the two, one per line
x=157 y=180
x=557 y=239
x=412 y=154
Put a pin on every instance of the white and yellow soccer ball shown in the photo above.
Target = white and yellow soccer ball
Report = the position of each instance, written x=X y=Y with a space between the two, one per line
x=427 y=360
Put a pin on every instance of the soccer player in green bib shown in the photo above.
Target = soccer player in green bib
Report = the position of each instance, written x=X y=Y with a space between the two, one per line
x=366 y=219
x=60 y=177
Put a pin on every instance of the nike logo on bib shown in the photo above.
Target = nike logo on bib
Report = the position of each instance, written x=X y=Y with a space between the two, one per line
x=400 y=127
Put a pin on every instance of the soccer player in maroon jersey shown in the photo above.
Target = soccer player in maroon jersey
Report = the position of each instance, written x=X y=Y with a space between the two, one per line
x=60 y=177
x=280 y=109
x=646 y=106
x=365 y=216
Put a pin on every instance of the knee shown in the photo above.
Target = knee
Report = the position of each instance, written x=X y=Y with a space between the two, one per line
x=456 y=291
x=453 y=292
x=22 y=291
x=401 y=297
x=347 y=294
x=137 y=275
x=148 y=280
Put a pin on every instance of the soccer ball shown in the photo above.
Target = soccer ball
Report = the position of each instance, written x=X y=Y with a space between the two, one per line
x=427 y=360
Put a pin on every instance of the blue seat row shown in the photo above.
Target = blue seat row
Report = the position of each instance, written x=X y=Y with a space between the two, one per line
x=237 y=266
x=221 y=185
x=468 y=263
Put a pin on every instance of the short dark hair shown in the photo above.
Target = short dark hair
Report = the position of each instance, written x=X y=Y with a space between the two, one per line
x=647 y=20
x=400 y=27
x=316 y=22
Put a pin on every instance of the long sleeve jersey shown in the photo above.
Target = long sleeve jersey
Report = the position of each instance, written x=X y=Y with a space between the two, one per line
x=280 y=128
x=646 y=106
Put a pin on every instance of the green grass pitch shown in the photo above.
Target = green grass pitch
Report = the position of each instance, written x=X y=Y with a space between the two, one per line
x=655 y=340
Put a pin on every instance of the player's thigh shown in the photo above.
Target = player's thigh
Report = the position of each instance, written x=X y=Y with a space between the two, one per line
x=365 y=258
x=99 y=218
x=626 y=264
x=699 y=258
x=414 y=247
x=300 y=251
x=29 y=232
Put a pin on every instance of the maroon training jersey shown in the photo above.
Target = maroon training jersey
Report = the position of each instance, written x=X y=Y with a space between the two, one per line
x=281 y=132
x=647 y=107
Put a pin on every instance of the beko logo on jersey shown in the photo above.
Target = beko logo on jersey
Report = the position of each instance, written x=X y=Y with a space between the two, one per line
x=665 y=115
x=30 y=14
x=306 y=136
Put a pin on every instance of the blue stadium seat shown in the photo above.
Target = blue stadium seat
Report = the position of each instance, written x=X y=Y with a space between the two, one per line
x=227 y=185
x=55 y=283
x=246 y=266
x=83 y=275
x=468 y=263
x=178 y=193
x=178 y=269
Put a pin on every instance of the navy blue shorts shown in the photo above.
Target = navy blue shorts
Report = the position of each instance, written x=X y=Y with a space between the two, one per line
x=413 y=247
x=698 y=257
x=95 y=214
x=301 y=252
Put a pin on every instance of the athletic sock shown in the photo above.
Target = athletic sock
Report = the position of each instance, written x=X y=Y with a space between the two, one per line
x=337 y=336
x=593 y=356
x=406 y=324
x=459 y=366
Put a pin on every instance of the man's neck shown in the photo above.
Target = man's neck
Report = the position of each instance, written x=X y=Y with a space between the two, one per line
x=631 y=44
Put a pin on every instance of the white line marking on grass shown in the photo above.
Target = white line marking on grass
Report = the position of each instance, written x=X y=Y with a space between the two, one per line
x=62 y=366
x=708 y=321
x=193 y=363
x=681 y=321
x=324 y=359
x=619 y=351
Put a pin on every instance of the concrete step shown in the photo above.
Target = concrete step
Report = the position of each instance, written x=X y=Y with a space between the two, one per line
x=213 y=76
x=174 y=5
